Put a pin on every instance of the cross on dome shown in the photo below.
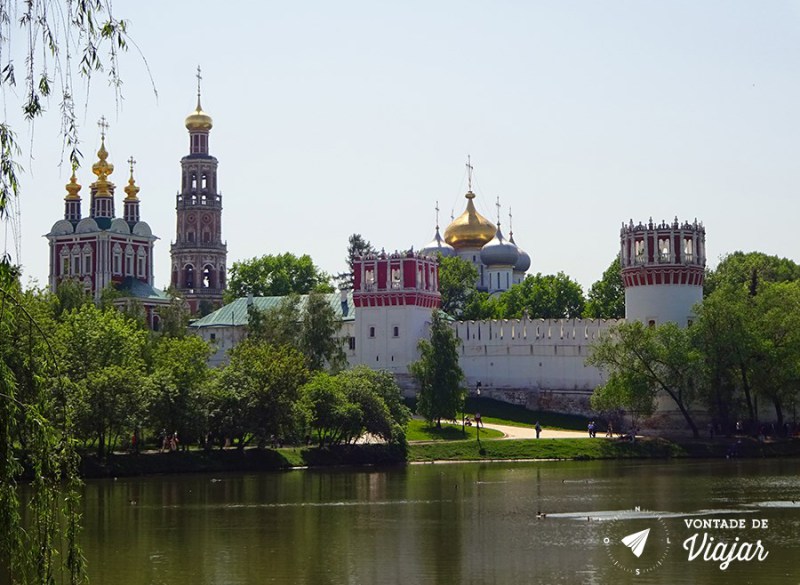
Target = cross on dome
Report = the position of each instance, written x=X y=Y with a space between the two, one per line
x=103 y=125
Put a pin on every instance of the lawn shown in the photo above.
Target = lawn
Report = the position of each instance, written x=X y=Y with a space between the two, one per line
x=544 y=449
x=503 y=413
x=419 y=430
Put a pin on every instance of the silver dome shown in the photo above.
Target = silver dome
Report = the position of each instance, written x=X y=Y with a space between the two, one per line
x=438 y=246
x=499 y=251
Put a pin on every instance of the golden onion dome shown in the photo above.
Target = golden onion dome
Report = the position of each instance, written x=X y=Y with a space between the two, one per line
x=102 y=168
x=199 y=120
x=470 y=229
x=73 y=187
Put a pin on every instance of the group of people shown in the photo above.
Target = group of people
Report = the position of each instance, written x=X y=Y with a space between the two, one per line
x=169 y=442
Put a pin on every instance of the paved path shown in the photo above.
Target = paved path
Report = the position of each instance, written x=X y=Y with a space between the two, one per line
x=510 y=432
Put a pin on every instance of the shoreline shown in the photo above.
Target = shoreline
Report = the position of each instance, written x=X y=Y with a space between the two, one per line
x=382 y=455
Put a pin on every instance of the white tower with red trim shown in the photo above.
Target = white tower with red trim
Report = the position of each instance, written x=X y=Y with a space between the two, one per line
x=394 y=295
x=663 y=266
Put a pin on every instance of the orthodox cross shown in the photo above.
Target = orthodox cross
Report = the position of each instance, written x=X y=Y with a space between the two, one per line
x=103 y=125
x=510 y=229
x=131 y=161
x=469 y=173
x=437 y=215
x=199 y=77
x=497 y=204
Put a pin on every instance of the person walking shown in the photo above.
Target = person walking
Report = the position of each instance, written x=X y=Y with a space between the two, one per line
x=538 y=428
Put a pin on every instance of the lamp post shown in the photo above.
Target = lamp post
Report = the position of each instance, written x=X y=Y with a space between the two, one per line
x=478 y=414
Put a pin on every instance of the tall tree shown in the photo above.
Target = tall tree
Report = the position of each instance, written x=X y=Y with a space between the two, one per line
x=178 y=388
x=749 y=269
x=441 y=394
x=102 y=356
x=320 y=342
x=643 y=362
x=457 y=279
x=276 y=276
x=356 y=246
x=606 y=298
x=262 y=382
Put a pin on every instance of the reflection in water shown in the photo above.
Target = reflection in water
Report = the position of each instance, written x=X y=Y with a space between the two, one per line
x=470 y=523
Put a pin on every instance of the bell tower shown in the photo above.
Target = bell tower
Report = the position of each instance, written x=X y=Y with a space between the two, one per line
x=198 y=253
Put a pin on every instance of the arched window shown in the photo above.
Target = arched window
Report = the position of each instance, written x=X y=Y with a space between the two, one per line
x=188 y=276
x=208 y=276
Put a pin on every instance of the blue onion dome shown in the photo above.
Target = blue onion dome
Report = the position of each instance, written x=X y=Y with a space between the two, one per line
x=438 y=246
x=524 y=260
x=499 y=251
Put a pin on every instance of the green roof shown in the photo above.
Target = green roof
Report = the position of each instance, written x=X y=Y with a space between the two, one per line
x=235 y=313
x=133 y=288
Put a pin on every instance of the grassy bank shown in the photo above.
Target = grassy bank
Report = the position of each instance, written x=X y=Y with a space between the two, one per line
x=545 y=449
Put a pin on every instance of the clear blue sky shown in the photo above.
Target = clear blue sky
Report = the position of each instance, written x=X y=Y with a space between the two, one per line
x=334 y=118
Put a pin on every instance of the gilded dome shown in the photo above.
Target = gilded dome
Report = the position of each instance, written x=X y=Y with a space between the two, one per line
x=199 y=120
x=470 y=229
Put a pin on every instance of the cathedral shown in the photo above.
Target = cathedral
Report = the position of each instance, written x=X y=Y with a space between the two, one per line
x=499 y=262
x=103 y=250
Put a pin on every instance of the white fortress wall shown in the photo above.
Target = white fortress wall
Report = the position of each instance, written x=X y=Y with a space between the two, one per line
x=535 y=362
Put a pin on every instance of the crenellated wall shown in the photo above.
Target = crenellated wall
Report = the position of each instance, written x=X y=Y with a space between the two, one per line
x=539 y=363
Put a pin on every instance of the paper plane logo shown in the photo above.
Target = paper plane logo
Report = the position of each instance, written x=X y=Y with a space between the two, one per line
x=636 y=542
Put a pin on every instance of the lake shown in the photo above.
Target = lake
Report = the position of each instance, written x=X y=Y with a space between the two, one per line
x=481 y=523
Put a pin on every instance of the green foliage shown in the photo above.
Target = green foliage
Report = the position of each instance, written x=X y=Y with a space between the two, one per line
x=318 y=338
x=70 y=295
x=751 y=348
x=35 y=431
x=749 y=270
x=178 y=388
x=312 y=330
x=276 y=276
x=356 y=246
x=101 y=353
x=344 y=407
x=606 y=298
x=260 y=386
x=642 y=362
x=439 y=374
x=457 y=279
x=550 y=296
x=174 y=318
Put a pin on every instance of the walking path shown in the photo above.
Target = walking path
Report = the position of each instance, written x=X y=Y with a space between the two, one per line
x=510 y=432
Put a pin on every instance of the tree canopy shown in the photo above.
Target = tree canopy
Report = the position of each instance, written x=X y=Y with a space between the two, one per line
x=606 y=298
x=276 y=276
x=356 y=246
x=643 y=363
x=750 y=270
x=457 y=279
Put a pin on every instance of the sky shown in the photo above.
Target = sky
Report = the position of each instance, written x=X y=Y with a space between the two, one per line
x=333 y=118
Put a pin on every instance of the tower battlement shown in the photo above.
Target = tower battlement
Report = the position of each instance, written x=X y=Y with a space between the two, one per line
x=663 y=267
x=396 y=279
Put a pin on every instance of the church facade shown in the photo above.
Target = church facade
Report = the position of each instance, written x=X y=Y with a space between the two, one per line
x=102 y=250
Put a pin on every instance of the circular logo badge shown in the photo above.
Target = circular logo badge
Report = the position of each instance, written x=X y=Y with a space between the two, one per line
x=638 y=543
